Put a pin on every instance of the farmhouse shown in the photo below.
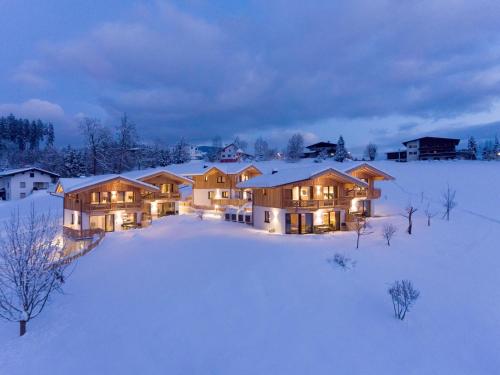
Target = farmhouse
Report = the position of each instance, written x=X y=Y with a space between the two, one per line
x=327 y=149
x=19 y=183
x=300 y=201
x=427 y=148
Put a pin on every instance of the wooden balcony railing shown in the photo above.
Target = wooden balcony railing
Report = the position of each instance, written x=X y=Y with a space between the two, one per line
x=77 y=234
x=316 y=203
x=367 y=193
x=111 y=206
x=155 y=196
x=230 y=202
x=374 y=194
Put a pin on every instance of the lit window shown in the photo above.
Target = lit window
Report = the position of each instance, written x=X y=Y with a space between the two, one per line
x=225 y=194
x=211 y=194
x=104 y=196
x=94 y=198
x=220 y=179
x=129 y=196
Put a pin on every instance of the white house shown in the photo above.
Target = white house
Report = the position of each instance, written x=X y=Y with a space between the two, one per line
x=19 y=183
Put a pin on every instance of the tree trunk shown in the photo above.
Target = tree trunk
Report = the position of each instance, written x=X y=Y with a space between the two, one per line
x=22 y=327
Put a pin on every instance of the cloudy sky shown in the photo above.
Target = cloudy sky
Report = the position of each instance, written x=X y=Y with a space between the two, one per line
x=372 y=70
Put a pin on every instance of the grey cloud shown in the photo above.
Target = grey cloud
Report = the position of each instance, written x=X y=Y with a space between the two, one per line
x=289 y=62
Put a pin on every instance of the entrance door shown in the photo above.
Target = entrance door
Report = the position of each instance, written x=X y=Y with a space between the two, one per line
x=109 y=223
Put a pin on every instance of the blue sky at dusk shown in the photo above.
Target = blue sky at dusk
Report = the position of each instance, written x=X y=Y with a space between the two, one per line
x=372 y=70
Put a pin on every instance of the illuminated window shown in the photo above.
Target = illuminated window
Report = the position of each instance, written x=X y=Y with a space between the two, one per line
x=225 y=194
x=94 y=197
x=220 y=179
x=211 y=194
x=129 y=196
x=329 y=192
x=104 y=196
x=120 y=197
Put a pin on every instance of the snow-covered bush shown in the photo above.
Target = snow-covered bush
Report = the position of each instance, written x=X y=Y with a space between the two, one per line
x=403 y=296
x=342 y=261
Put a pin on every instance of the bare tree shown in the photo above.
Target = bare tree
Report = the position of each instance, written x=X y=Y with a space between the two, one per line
x=295 y=147
x=126 y=139
x=409 y=211
x=362 y=228
x=403 y=296
x=448 y=201
x=429 y=214
x=30 y=270
x=388 y=232
x=97 y=139
x=371 y=151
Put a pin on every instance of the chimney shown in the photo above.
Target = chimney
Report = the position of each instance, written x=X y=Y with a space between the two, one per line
x=274 y=171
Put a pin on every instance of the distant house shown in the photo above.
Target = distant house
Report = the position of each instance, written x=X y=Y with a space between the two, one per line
x=19 y=183
x=427 y=148
x=231 y=154
x=195 y=153
x=326 y=148
x=397 y=155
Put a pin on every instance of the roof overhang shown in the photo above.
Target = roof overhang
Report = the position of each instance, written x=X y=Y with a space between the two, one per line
x=137 y=183
x=171 y=175
x=371 y=170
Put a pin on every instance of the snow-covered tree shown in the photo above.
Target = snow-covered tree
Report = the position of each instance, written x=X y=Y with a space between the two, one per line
x=240 y=144
x=472 y=147
x=295 y=147
x=30 y=271
x=341 y=152
x=164 y=157
x=371 y=151
x=180 y=152
x=73 y=162
x=261 y=149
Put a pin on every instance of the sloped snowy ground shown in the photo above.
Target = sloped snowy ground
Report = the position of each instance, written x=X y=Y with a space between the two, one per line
x=207 y=297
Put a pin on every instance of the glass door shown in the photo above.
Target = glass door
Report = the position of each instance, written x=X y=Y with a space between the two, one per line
x=109 y=223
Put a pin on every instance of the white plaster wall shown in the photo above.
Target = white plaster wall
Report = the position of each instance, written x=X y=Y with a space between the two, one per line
x=412 y=149
x=200 y=196
x=277 y=219
x=67 y=219
x=14 y=191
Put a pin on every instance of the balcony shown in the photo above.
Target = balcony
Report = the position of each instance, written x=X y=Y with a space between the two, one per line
x=230 y=202
x=365 y=193
x=156 y=196
x=314 y=204
x=112 y=206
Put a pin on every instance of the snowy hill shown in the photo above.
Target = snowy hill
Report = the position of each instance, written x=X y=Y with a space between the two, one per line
x=186 y=296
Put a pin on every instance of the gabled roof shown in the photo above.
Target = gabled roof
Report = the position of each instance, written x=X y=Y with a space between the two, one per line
x=72 y=185
x=150 y=172
x=321 y=144
x=455 y=140
x=288 y=176
x=10 y=172
x=370 y=169
x=199 y=169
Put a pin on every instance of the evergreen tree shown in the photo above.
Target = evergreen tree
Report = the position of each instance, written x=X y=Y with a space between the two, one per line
x=261 y=149
x=341 y=153
x=73 y=162
x=472 y=147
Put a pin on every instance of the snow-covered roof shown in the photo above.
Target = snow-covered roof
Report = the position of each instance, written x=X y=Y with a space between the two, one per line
x=10 y=172
x=198 y=169
x=371 y=168
x=145 y=173
x=74 y=184
x=288 y=176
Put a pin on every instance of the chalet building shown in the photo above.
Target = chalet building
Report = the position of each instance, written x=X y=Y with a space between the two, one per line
x=165 y=201
x=232 y=154
x=321 y=148
x=428 y=148
x=397 y=155
x=103 y=203
x=301 y=201
x=215 y=187
x=19 y=183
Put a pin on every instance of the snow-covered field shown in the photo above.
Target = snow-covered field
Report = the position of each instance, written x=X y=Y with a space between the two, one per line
x=186 y=296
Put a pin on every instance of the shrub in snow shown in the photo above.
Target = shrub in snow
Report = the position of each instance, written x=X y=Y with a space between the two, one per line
x=429 y=214
x=388 y=231
x=342 y=261
x=200 y=214
x=403 y=296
